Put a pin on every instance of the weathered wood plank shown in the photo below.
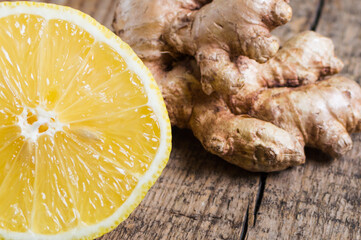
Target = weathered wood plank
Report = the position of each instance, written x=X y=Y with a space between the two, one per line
x=321 y=200
x=198 y=196
x=101 y=10
x=304 y=15
x=341 y=21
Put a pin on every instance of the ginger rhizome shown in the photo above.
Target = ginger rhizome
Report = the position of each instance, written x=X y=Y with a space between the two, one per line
x=224 y=76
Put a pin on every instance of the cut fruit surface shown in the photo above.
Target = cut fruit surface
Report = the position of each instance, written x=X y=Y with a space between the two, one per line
x=84 y=132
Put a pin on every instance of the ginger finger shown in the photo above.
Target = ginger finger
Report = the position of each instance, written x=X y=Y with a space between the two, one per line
x=176 y=86
x=240 y=27
x=320 y=115
x=247 y=142
x=303 y=59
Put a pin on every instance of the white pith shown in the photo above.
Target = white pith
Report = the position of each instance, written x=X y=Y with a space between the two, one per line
x=31 y=131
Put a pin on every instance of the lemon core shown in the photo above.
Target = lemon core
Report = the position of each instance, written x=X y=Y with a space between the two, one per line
x=35 y=122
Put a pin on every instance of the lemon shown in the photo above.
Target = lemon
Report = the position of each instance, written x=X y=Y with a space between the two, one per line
x=84 y=132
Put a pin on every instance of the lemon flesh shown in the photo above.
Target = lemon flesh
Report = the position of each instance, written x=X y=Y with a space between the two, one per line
x=83 y=130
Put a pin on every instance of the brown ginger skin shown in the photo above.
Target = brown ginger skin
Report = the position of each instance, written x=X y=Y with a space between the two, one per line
x=251 y=142
x=247 y=101
x=177 y=86
x=303 y=59
x=322 y=121
x=240 y=27
x=247 y=142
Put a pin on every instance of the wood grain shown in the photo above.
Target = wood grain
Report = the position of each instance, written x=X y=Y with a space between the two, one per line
x=304 y=15
x=200 y=196
x=320 y=200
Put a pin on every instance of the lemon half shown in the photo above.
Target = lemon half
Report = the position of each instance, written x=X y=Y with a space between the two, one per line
x=84 y=132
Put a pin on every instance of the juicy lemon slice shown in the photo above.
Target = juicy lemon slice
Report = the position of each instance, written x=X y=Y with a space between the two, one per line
x=84 y=132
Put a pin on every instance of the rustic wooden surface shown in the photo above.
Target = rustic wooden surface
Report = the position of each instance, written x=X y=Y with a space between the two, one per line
x=320 y=200
x=304 y=18
x=199 y=196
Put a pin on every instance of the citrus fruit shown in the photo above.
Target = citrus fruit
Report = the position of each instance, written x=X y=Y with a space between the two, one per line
x=84 y=131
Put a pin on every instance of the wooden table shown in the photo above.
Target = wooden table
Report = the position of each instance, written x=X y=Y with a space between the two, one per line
x=200 y=196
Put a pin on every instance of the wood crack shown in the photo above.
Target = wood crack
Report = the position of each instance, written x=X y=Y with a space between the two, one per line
x=263 y=176
x=262 y=185
x=245 y=225
x=320 y=6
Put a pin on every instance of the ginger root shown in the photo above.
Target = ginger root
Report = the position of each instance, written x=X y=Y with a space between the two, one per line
x=223 y=75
